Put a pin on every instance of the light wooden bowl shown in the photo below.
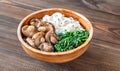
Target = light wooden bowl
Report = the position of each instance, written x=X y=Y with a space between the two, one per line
x=56 y=57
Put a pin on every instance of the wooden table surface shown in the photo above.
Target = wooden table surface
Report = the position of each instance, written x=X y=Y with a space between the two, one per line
x=103 y=53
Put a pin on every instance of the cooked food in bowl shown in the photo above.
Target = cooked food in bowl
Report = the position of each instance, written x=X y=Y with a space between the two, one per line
x=55 y=33
x=40 y=35
x=41 y=41
x=71 y=40
x=63 y=24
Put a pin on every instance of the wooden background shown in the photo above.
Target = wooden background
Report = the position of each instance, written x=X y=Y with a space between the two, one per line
x=102 y=55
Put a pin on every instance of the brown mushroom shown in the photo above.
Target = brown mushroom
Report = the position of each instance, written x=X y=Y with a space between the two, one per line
x=46 y=47
x=53 y=39
x=51 y=36
x=30 y=42
x=36 y=22
x=40 y=34
x=42 y=28
x=28 y=31
x=38 y=38
x=42 y=40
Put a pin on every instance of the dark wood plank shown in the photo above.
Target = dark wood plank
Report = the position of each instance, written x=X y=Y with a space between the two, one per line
x=110 y=6
x=103 y=52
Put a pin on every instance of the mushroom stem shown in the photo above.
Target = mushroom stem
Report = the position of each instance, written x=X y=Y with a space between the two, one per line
x=51 y=36
x=37 y=38
x=30 y=42
x=28 y=31
x=46 y=47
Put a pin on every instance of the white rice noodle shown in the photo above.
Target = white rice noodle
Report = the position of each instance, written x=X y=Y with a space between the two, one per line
x=63 y=24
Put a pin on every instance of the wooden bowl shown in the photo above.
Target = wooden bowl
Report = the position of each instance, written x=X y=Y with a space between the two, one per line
x=56 y=57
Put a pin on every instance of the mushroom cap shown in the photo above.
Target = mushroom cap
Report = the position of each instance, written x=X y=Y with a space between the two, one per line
x=46 y=47
x=51 y=36
x=53 y=39
x=42 y=28
x=36 y=22
x=28 y=31
x=30 y=42
x=37 y=38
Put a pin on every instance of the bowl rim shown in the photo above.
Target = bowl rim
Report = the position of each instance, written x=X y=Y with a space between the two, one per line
x=54 y=53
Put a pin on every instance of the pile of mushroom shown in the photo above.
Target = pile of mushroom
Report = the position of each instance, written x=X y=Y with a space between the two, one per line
x=40 y=35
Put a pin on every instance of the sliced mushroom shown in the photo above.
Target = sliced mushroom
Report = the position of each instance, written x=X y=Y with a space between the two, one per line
x=51 y=36
x=46 y=47
x=53 y=39
x=30 y=42
x=40 y=34
x=28 y=31
x=36 y=22
x=42 y=40
x=38 y=38
x=42 y=28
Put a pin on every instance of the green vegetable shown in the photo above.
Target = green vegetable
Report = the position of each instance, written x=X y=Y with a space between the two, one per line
x=71 y=40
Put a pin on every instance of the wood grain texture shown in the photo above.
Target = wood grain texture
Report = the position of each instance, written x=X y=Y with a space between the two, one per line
x=102 y=55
